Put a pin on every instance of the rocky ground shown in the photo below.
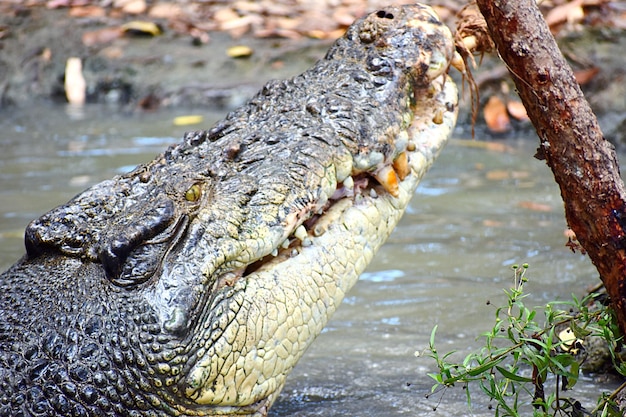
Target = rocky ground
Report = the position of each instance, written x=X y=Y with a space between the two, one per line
x=142 y=55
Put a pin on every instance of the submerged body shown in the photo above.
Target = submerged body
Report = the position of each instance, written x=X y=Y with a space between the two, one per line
x=192 y=285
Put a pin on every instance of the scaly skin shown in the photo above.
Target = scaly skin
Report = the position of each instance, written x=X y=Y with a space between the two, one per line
x=192 y=285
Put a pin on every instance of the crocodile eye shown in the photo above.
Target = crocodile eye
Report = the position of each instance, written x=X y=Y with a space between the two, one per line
x=194 y=193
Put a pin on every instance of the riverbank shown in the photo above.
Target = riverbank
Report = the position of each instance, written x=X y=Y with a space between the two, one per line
x=182 y=55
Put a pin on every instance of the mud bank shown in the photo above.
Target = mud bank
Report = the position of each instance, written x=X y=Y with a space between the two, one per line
x=143 y=73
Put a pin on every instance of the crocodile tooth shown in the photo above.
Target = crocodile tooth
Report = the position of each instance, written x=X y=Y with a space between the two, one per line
x=388 y=178
x=306 y=242
x=285 y=244
x=319 y=230
x=300 y=233
x=438 y=117
x=373 y=193
x=401 y=166
x=349 y=183
x=457 y=62
x=274 y=252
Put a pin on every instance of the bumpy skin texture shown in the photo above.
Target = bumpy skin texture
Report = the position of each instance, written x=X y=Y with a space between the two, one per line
x=179 y=289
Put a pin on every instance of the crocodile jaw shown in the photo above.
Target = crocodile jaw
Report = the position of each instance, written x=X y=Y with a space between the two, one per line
x=287 y=309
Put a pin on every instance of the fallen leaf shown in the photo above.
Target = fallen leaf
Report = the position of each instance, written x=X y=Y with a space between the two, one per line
x=496 y=116
x=343 y=16
x=101 y=36
x=239 y=51
x=498 y=175
x=192 y=119
x=75 y=85
x=568 y=12
x=112 y=52
x=225 y=15
x=87 y=11
x=586 y=75
x=517 y=110
x=530 y=205
x=141 y=27
x=165 y=11
x=200 y=37
x=135 y=7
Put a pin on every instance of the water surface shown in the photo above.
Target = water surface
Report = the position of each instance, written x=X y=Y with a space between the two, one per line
x=475 y=214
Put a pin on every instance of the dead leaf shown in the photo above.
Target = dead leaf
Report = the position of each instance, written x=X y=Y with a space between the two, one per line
x=239 y=51
x=165 y=11
x=112 y=52
x=517 y=110
x=568 y=12
x=87 y=11
x=101 y=36
x=498 y=175
x=192 y=119
x=141 y=27
x=287 y=23
x=586 y=75
x=135 y=7
x=531 y=205
x=496 y=116
x=200 y=37
x=75 y=85
x=222 y=16
x=343 y=16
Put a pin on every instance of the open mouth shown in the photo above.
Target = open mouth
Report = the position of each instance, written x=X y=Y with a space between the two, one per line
x=392 y=182
x=291 y=292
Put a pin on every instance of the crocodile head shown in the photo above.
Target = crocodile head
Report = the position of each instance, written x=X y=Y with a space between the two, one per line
x=192 y=285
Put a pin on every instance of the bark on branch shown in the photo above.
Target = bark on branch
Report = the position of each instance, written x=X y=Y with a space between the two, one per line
x=584 y=164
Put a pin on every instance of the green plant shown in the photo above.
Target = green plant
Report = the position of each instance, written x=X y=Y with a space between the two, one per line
x=525 y=362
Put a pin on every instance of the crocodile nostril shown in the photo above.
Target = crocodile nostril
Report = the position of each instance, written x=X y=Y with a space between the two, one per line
x=142 y=227
x=114 y=255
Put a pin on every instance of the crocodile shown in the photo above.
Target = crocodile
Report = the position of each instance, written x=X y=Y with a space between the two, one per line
x=192 y=285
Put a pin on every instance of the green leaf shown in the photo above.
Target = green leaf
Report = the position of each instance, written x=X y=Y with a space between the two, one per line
x=512 y=376
x=579 y=332
x=574 y=370
x=432 y=336
x=484 y=367
x=437 y=377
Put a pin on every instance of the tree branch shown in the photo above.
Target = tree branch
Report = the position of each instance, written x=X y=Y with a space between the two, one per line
x=584 y=164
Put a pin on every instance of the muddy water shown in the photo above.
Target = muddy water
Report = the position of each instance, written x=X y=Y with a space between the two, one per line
x=475 y=214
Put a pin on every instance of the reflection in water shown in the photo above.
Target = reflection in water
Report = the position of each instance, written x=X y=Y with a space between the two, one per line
x=476 y=213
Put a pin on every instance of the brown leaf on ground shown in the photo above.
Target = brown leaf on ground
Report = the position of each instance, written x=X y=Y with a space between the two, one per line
x=165 y=11
x=75 y=86
x=101 y=36
x=87 y=11
x=517 y=110
x=131 y=6
x=239 y=51
x=586 y=75
x=569 y=12
x=496 y=116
